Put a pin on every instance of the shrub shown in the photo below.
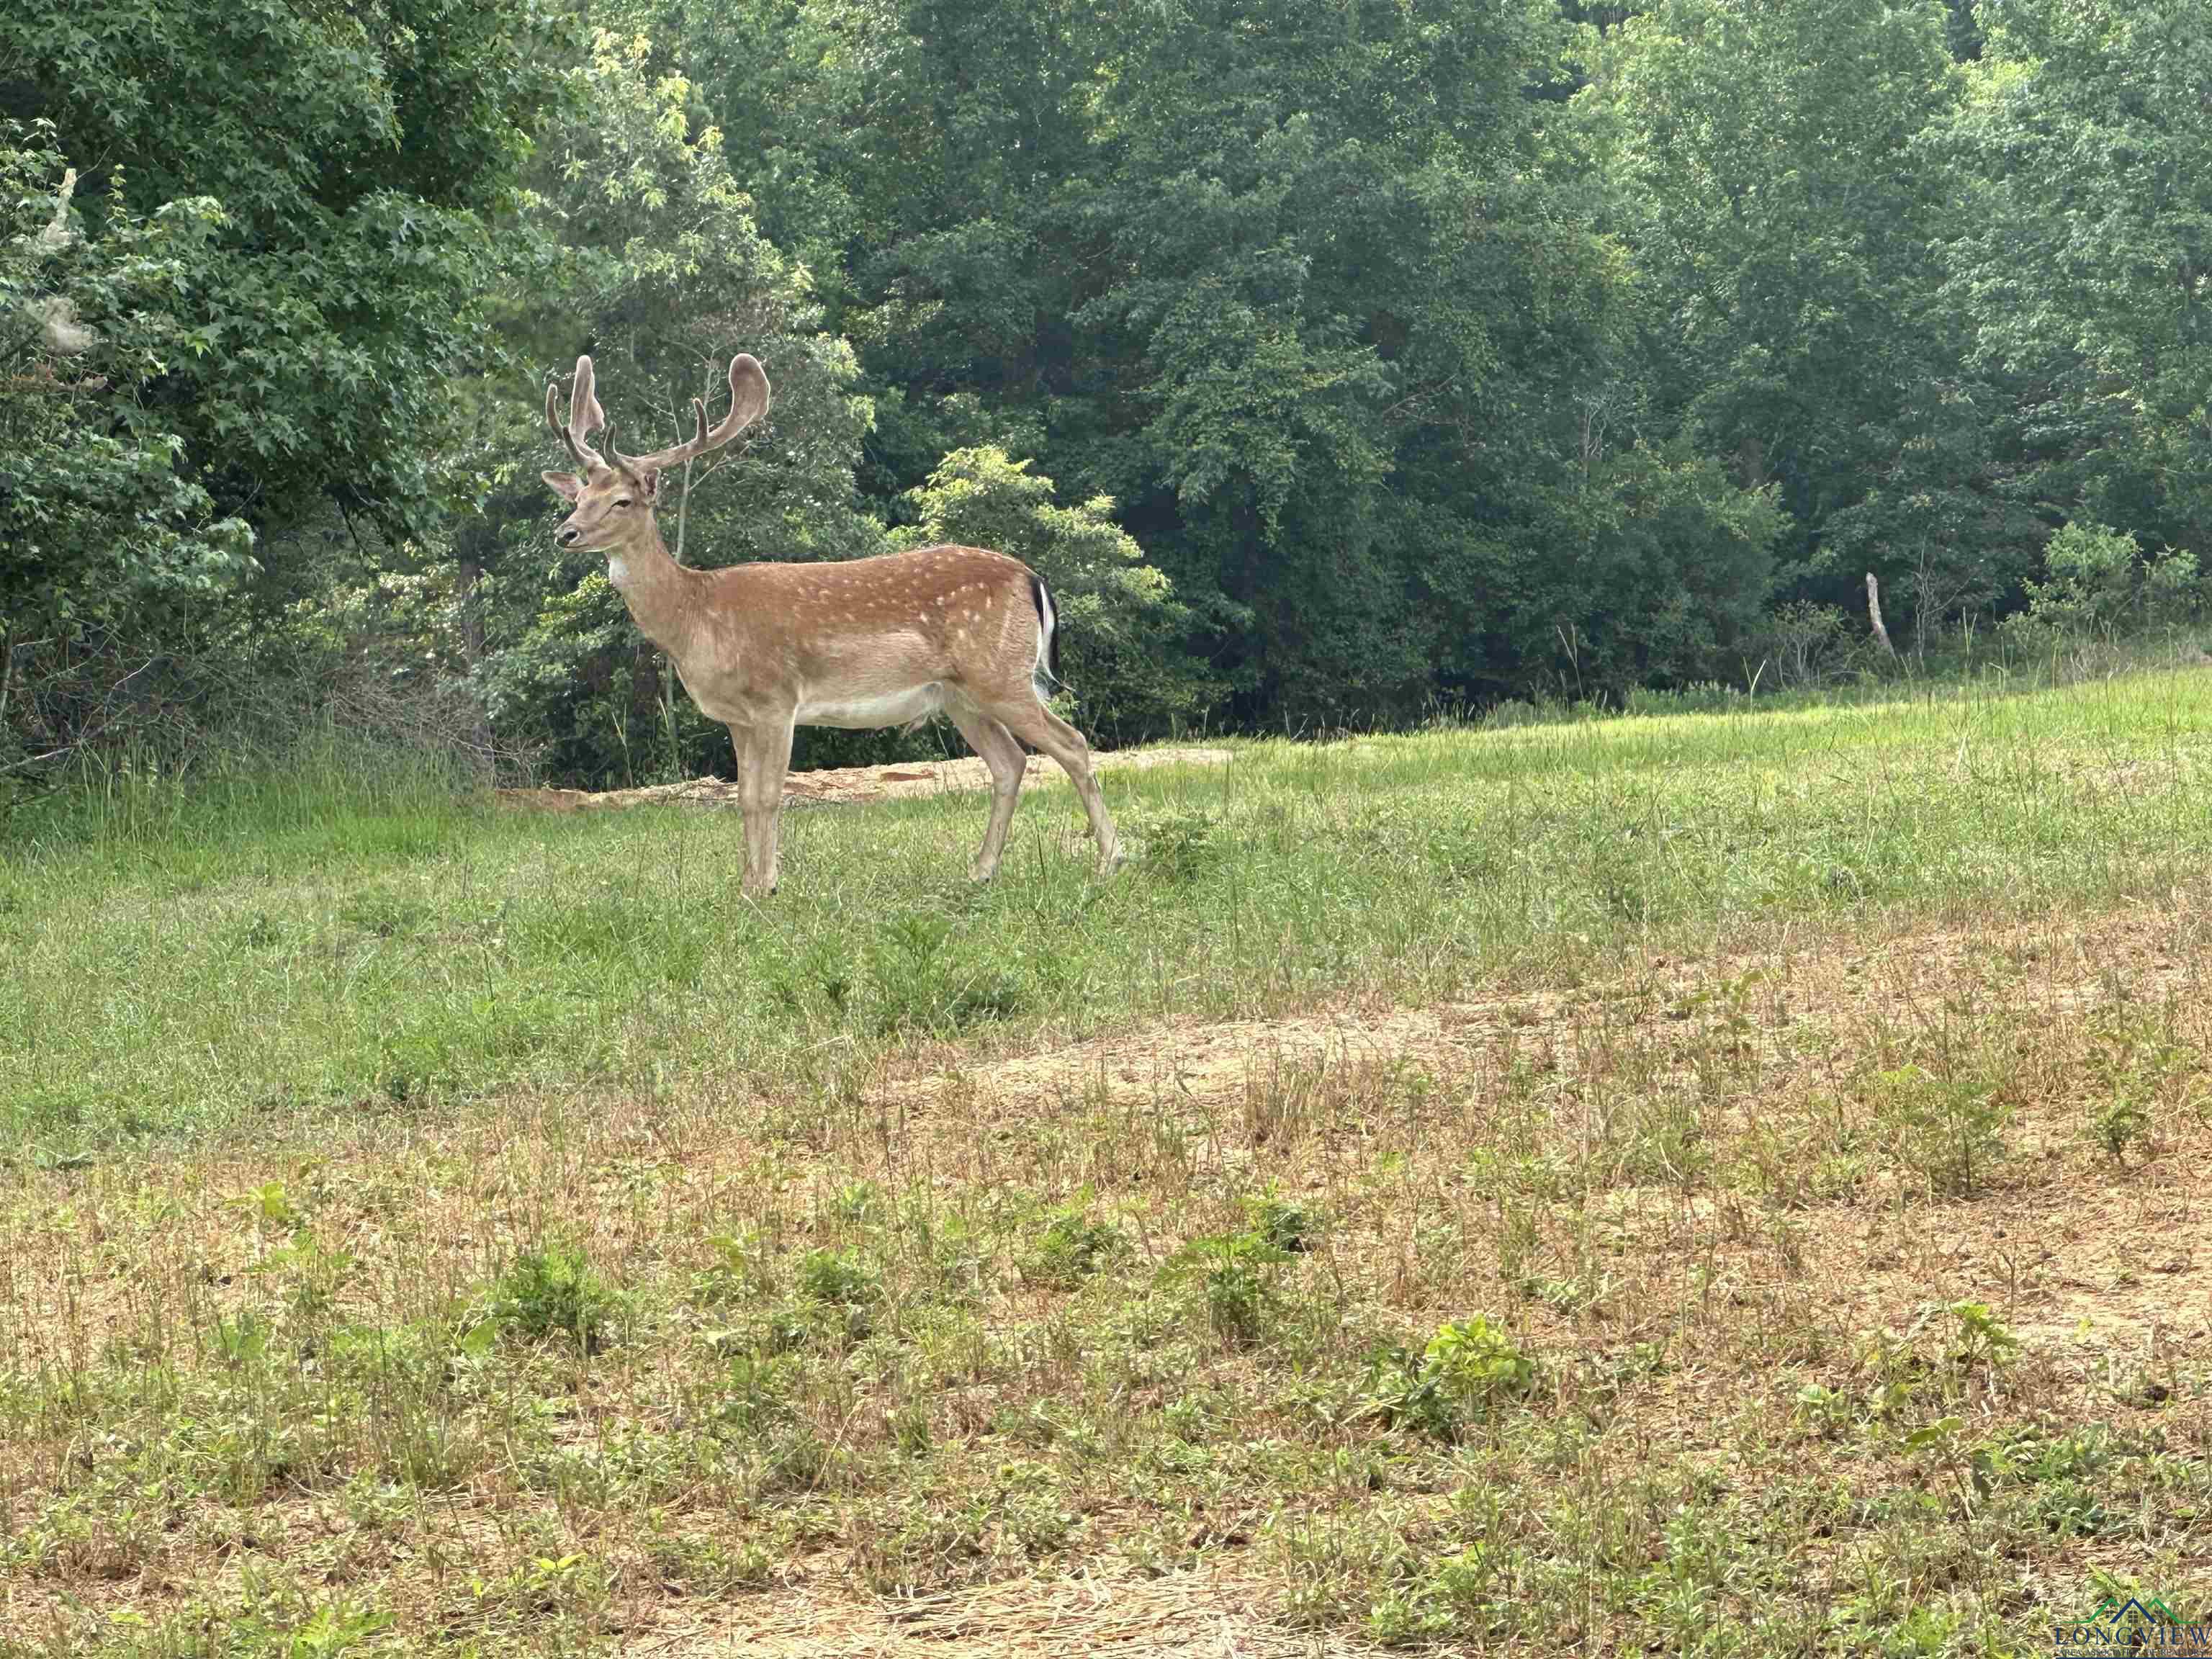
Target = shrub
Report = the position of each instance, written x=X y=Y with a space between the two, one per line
x=1119 y=616
x=552 y=1291
x=2097 y=581
x=1072 y=1248
x=1468 y=1370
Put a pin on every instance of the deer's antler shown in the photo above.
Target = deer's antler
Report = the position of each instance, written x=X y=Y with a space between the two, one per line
x=585 y=417
x=748 y=402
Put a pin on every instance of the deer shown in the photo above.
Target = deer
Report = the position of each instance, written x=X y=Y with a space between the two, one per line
x=762 y=648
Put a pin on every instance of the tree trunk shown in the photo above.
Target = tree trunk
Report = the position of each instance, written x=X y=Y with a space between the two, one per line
x=1873 y=613
x=1751 y=463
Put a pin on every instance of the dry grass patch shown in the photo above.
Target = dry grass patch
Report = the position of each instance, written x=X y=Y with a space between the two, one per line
x=1182 y=1615
x=1815 y=1287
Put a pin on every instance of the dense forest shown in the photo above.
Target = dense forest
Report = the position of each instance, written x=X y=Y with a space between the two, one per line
x=1337 y=360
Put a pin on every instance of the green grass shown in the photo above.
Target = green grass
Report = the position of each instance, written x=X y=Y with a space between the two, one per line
x=1714 y=1184
x=212 y=967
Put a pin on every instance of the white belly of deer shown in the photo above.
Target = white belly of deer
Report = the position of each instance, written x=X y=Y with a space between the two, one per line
x=906 y=708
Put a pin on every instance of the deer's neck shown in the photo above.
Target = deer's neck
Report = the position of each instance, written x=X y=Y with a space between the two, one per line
x=662 y=595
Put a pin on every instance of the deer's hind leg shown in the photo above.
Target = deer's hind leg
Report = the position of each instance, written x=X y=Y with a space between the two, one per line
x=990 y=739
x=1029 y=719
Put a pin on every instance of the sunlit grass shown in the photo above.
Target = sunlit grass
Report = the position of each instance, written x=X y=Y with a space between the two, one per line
x=194 y=960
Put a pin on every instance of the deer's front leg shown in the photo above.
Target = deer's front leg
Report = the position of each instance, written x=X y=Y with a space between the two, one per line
x=763 y=759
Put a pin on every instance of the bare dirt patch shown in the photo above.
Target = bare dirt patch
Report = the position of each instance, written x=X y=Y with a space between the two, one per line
x=850 y=785
x=2083 y=1250
x=1182 y=1615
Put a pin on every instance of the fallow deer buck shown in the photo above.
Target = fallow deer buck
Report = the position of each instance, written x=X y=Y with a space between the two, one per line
x=868 y=642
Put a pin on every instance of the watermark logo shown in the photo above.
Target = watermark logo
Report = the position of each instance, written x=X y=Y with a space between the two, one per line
x=2135 y=1624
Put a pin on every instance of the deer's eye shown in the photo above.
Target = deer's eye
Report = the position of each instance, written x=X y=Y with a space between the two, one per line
x=622 y=500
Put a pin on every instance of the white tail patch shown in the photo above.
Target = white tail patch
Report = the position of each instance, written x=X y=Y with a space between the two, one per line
x=1041 y=677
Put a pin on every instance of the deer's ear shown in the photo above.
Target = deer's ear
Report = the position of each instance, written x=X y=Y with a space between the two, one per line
x=649 y=481
x=566 y=485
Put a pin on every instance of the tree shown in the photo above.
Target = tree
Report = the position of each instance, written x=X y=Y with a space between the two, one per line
x=1769 y=169
x=355 y=154
x=634 y=244
x=276 y=256
x=2082 y=252
x=103 y=533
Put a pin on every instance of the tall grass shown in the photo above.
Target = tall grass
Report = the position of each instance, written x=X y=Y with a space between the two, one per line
x=138 y=802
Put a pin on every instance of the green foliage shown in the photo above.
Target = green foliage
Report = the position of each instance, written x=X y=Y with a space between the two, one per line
x=104 y=530
x=1770 y=167
x=837 y=1278
x=343 y=165
x=1296 y=295
x=1334 y=365
x=1072 y=1248
x=248 y=321
x=1980 y=1341
x=1233 y=1274
x=2138 y=1065
x=636 y=244
x=1284 y=1224
x=1946 y=1129
x=2097 y=583
x=1178 y=847
x=1469 y=1370
x=932 y=978
x=554 y=1292
x=2083 y=159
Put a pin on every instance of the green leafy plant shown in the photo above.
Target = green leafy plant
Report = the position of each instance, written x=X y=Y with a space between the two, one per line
x=1072 y=1248
x=1979 y=1339
x=1946 y=1129
x=1288 y=1225
x=1234 y=1275
x=1468 y=1370
x=554 y=1293
x=2136 y=1060
x=839 y=1277
x=841 y=1285
x=2097 y=581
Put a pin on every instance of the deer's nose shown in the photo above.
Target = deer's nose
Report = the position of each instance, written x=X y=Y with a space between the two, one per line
x=565 y=535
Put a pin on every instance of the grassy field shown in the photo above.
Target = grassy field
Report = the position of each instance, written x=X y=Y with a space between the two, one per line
x=1718 y=1184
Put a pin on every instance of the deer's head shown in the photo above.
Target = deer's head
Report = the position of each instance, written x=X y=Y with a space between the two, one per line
x=614 y=494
